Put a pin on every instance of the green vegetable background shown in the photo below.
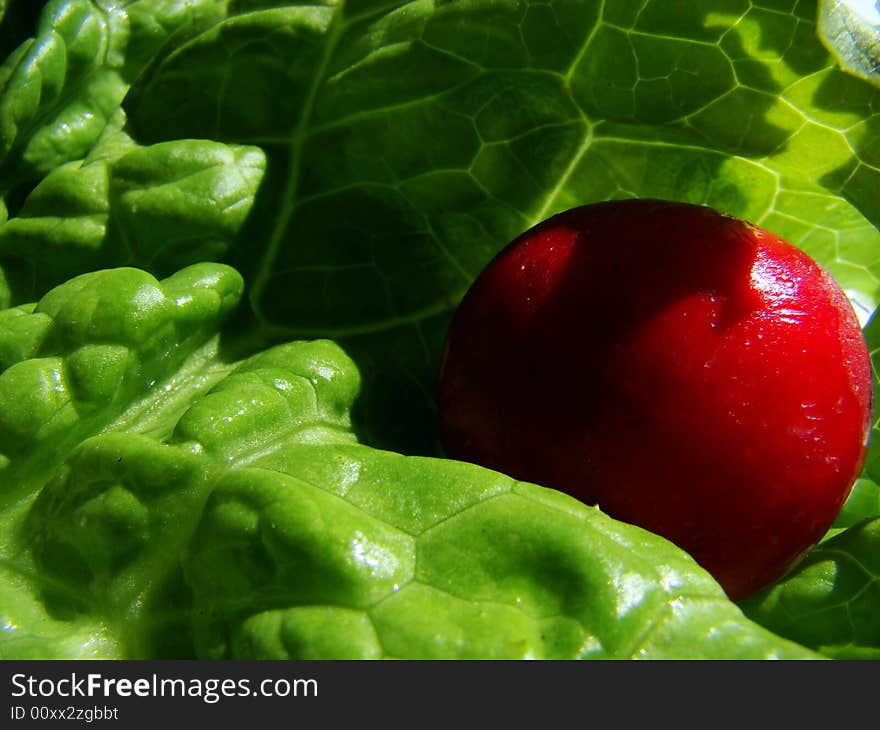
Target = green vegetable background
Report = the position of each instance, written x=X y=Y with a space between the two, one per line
x=232 y=236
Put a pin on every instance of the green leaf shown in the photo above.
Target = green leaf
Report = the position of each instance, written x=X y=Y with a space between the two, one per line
x=106 y=351
x=59 y=89
x=62 y=87
x=167 y=207
x=433 y=559
x=830 y=601
x=88 y=351
x=359 y=202
x=863 y=502
x=386 y=193
x=872 y=460
x=163 y=497
x=851 y=31
x=159 y=207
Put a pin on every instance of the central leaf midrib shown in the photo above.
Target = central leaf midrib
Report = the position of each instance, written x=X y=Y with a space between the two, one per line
x=295 y=146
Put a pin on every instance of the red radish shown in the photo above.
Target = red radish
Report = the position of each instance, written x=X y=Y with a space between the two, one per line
x=686 y=371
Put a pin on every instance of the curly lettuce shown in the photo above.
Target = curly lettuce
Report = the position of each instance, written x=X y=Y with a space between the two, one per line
x=232 y=235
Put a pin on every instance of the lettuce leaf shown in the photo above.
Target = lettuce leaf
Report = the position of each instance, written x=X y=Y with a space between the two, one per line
x=357 y=164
